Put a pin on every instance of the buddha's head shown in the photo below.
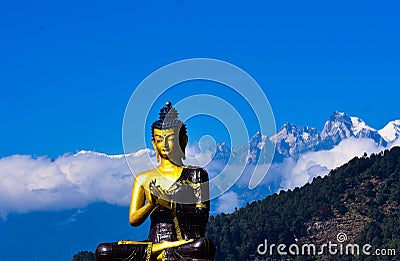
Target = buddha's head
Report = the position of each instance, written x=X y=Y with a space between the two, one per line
x=169 y=136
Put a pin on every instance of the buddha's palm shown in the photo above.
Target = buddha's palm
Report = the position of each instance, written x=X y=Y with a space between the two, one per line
x=162 y=196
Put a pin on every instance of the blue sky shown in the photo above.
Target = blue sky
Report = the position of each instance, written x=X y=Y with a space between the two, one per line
x=68 y=68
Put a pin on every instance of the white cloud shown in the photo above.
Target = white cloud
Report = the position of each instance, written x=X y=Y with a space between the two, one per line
x=197 y=155
x=74 y=181
x=73 y=218
x=319 y=163
x=70 y=181
x=228 y=202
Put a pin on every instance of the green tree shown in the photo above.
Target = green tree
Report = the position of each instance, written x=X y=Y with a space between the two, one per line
x=84 y=256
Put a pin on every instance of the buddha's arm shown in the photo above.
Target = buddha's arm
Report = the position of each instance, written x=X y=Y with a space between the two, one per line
x=139 y=210
x=157 y=248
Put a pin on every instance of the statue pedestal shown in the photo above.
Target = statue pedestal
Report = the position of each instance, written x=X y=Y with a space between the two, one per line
x=201 y=249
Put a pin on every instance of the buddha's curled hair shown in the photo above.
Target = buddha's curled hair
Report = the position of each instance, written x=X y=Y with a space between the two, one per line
x=168 y=119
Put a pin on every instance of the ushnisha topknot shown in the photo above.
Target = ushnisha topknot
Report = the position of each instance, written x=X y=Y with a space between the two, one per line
x=168 y=118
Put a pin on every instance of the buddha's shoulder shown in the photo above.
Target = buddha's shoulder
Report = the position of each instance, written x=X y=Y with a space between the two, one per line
x=146 y=174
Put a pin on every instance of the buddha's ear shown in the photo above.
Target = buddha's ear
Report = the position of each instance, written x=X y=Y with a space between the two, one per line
x=183 y=143
x=155 y=148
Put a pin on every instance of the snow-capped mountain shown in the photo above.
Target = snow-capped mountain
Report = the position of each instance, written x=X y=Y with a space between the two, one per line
x=341 y=126
x=256 y=144
x=291 y=140
x=336 y=128
x=248 y=153
x=222 y=153
x=391 y=131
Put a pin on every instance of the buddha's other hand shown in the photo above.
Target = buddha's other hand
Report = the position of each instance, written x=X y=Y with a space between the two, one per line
x=160 y=195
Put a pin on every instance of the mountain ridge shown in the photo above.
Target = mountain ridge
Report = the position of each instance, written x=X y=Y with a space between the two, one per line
x=293 y=140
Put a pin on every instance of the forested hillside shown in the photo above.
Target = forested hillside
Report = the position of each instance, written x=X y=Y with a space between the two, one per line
x=360 y=199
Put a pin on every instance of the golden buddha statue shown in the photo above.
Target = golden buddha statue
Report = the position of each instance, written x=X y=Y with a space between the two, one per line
x=176 y=197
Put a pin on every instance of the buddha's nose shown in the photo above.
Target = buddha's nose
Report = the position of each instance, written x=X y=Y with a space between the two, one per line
x=165 y=144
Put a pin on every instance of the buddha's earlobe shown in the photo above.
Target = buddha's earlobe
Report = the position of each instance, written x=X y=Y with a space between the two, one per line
x=183 y=156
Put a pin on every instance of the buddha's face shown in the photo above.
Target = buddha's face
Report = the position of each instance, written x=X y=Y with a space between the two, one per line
x=166 y=143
